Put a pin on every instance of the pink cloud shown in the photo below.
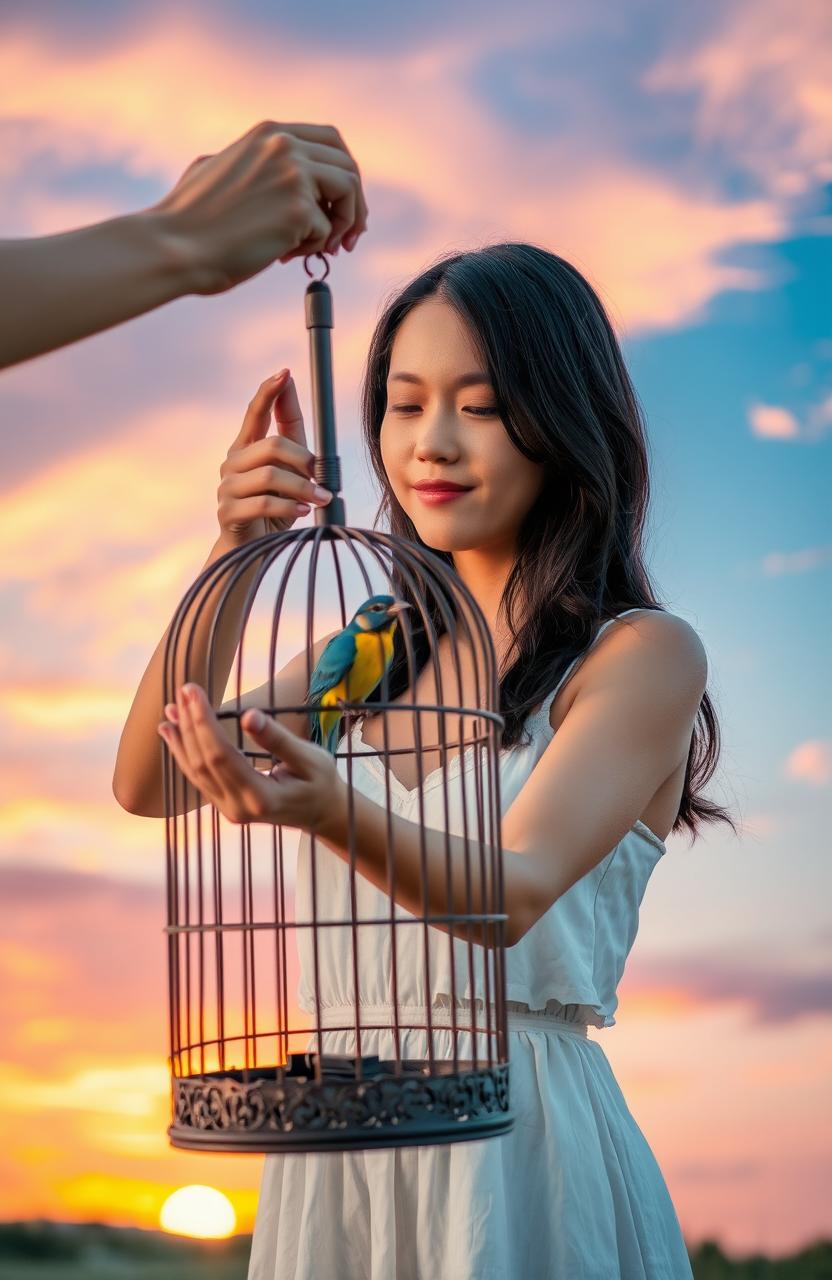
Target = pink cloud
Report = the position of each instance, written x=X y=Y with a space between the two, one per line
x=811 y=762
x=761 y=73
x=771 y=421
x=808 y=558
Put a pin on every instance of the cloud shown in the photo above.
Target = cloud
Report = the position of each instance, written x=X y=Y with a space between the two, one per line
x=761 y=79
x=803 y=561
x=771 y=994
x=775 y=422
x=653 y=240
x=811 y=762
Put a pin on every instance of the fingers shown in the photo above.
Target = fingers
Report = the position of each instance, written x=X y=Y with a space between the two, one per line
x=289 y=418
x=207 y=757
x=257 y=415
x=172 y=735
x=199 y=772
x=339 y=188
x=291 y=749
x=327 y=151
x=273 y=481
x=275 y=451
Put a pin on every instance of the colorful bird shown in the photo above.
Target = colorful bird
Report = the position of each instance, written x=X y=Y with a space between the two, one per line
x=352 y=664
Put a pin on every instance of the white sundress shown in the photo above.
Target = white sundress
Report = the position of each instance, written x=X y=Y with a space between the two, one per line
x=574 y=1191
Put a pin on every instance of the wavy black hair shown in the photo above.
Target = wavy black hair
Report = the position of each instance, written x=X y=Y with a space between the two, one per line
x=567 y=402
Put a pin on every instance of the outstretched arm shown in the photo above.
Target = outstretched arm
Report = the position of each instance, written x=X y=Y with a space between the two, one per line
x=60 y=288
x=279 y=191
x=304 y=790
x=629 y=726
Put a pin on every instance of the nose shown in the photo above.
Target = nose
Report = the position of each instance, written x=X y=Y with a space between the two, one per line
x=436 y=437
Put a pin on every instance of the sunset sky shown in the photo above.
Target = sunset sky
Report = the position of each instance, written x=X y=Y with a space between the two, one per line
x=681 y=158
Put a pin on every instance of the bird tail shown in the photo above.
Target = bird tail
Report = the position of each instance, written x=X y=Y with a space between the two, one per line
x=326 y=738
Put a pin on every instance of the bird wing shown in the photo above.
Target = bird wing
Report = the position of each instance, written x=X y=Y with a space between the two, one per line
x=333 y=664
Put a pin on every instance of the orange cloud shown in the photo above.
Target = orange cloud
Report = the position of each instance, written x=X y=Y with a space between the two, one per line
x=771 y=421
x=650 y=242
x=811 y=762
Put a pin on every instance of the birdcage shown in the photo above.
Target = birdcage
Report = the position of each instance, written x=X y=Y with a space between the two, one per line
x=264 y=922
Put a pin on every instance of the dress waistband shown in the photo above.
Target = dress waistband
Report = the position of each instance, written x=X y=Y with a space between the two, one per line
x=343 y=1016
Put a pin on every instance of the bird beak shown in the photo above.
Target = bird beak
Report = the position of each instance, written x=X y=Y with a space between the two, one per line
x=399 y=606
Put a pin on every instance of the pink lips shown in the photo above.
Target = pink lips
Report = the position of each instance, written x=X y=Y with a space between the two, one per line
x=434 y=495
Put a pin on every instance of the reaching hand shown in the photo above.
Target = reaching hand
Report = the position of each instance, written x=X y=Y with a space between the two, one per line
x=304 y=790
x=280 y=191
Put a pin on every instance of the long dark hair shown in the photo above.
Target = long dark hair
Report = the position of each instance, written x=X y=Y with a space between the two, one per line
x=566 y=400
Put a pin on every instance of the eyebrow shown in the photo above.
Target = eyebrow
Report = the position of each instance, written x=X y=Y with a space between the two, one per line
x=466 y=380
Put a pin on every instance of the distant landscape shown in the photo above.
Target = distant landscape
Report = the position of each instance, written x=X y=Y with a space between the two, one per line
x=42 y=1250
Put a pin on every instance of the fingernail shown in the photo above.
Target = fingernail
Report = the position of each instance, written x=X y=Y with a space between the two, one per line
x=172 y=712
x=322 y=494
x=256 y=720
x=162 y=730
x=349 y=241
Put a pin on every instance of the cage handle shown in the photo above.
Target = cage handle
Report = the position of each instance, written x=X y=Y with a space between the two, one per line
x=327 y=462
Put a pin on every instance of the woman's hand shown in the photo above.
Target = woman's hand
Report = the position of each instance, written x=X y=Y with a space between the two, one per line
x=266 y=481
x=280 y=191
x=303 y=790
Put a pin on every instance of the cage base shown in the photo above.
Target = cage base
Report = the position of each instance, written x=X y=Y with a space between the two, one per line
x=285 y=1108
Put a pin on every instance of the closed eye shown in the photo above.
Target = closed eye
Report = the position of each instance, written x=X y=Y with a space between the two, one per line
x=479 y=411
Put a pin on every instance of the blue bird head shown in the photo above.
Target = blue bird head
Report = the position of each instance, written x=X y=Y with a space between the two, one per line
x=378 y=612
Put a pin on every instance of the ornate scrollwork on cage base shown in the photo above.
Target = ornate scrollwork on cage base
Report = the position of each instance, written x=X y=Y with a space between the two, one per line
x=288 y=1110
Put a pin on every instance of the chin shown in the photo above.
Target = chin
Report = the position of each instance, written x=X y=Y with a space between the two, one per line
x=448 y=539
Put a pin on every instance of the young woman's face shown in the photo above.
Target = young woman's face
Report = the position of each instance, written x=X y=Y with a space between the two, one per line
x=435 y=429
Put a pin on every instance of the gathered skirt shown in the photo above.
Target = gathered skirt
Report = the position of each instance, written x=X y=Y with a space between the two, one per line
x=573 y=1192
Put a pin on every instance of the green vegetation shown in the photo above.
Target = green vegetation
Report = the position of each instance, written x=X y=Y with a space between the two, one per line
x=812 y=1263
x=41 y=1250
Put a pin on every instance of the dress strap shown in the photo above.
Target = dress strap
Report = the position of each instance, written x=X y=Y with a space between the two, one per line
x=541 y=716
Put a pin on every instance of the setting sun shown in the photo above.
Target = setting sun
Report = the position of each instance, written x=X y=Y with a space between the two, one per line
x=198 y=1211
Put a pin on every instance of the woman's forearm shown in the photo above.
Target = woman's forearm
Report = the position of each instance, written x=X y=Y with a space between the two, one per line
x=60 y=288
x=421 y=887
x=137 y=779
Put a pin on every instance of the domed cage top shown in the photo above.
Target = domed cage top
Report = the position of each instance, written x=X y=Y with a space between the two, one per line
x=308 y=1008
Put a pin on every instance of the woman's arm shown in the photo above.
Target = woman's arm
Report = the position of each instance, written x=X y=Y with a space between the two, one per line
x=627 y=729
x=423 y=858
x=230 y=215
x=64 y=287
x=305 y=791
x=138 y=778
x=253 y=498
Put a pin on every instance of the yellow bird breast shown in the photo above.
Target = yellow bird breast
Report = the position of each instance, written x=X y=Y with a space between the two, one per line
x=373 y=651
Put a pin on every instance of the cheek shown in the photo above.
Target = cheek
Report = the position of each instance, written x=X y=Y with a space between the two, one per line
x=519 y=480
x=394 y=463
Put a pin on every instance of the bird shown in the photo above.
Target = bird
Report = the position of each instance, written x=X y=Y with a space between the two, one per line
x=352 y=664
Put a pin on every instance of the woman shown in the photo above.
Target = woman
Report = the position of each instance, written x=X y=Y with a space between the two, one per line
x=497 y=370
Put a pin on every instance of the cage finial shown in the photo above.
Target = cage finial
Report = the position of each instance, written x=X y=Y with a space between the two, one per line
x=319 y=322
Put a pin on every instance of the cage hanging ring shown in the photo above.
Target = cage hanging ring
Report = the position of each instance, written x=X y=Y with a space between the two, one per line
x=316 y=255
